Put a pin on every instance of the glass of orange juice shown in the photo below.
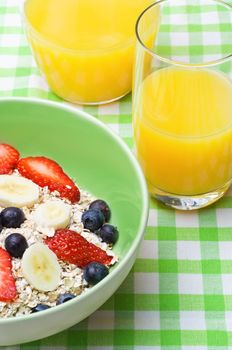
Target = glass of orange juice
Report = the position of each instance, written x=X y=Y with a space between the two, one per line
x=85 y=48
x=182 y=101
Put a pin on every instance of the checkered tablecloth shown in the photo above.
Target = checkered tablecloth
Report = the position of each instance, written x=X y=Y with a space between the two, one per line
x=179 y=292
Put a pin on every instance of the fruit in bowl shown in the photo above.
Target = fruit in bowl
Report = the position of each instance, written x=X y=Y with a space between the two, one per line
x=107 y=178
x=57 y=249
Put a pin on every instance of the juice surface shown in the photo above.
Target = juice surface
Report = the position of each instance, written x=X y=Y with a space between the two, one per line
x=88 y=24
x=102 y=32
x=183 y=130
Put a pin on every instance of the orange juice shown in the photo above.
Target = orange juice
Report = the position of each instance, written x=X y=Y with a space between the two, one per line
x=85 y=48
x=183 y=130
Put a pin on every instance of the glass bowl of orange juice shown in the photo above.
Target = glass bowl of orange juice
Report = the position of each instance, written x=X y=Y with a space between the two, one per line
x=85 y=48
x=182 y=102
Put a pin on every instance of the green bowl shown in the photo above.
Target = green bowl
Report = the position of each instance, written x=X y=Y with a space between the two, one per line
x=99 y=162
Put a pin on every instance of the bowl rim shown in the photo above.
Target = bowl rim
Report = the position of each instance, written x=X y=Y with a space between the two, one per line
x=144 y=199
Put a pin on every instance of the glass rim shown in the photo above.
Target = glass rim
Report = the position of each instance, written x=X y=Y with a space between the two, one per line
x=83 y=51
x=172 y=61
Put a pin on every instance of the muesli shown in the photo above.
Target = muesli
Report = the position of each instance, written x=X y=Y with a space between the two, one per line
x=55 y=240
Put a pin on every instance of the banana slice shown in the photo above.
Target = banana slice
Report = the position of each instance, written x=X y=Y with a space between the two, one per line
x=17 y=191
x=40 y=267
x=55 y=214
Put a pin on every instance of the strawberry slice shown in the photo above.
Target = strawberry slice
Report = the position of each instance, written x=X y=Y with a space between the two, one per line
x=46 y=172
x=7 y=282
x=9 y=157
x=71 y=247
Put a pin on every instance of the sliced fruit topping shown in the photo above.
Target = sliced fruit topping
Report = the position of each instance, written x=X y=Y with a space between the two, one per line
x=17 y=191
x=9 y=157
x=101 y=205
x=12 y=217
x=65 y=297
x=46 y=172
x=16 y=244
x=41 y=268
x=54 y=214
x=71 y=247
x=92 y=219
x=95 y=272
x=7 y=282
x=40 y=307
x=108 y=233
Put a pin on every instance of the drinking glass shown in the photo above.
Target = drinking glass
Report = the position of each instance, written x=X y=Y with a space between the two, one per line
x=182 y=101
x=84 y=48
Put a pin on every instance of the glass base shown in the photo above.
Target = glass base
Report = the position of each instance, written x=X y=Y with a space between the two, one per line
x=89 y=103
x=188 y=202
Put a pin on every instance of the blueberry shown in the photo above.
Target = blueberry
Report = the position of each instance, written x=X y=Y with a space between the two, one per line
x=108 y=233
x=40 y=307
x=103 y=207
x=16 y=245
x=64 y=297
x=92 y=219
x=95 y=272
x=12 y=217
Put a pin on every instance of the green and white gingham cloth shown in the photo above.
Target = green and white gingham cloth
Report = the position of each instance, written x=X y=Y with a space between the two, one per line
x=179 y=292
